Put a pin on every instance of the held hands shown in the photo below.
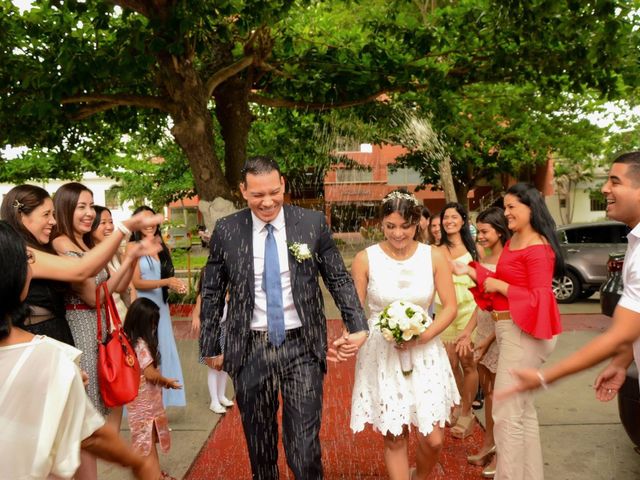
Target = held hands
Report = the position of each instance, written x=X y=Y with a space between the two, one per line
x=492 y=284
x=214 y=362
x=346 y=346
x=609 y=382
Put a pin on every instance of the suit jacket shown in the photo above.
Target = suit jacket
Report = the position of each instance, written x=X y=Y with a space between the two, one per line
x=230 y=268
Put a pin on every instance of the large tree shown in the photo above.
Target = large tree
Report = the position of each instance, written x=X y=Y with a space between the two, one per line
x=75 y=76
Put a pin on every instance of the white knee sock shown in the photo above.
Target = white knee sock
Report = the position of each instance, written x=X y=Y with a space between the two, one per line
x=222 y=387
x=212 y=382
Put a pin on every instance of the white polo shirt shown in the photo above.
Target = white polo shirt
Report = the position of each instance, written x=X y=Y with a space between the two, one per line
x=259 y=319
x=630 y=298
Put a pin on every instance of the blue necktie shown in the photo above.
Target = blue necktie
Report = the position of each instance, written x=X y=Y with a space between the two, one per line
x=273 y=288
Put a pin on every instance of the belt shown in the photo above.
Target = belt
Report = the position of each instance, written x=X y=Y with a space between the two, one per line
x=78 y=306
x=288 y=334
x=503 y=315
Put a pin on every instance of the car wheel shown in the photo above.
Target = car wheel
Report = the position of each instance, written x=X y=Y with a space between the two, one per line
x=566 y=289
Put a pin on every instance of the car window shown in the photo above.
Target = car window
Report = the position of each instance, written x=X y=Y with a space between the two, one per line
x=620 y=234
x=562 y=236
x=592 y=234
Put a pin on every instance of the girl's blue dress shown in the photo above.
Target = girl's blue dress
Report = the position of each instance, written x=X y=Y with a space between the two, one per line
x=169 y=359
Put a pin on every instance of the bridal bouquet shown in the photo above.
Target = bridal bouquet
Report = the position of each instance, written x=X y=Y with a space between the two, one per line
x=400 y=322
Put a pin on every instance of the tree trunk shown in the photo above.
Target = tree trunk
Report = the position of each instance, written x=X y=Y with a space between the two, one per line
x=193 y=125
x=234 y=115
x=194 y=133
x=446 y=180
x=462 y=192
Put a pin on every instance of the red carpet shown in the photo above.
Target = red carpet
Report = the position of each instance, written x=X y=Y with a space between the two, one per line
x=344 y=455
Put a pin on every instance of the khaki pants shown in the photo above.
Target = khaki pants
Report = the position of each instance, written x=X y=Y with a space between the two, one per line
x=516 y=421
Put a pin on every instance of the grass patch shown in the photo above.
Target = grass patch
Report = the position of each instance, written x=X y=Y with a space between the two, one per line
x=180 y=259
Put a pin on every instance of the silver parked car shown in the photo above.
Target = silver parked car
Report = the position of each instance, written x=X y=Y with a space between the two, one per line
x=586 y=248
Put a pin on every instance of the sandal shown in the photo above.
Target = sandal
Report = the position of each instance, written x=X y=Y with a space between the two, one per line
x=453 y=417
x=463 y=428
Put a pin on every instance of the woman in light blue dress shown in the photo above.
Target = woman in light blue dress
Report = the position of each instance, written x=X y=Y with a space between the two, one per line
x=153 y=277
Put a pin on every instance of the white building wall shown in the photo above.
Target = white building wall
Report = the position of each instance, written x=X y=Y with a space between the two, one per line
x=582 y=212
x=98 y=185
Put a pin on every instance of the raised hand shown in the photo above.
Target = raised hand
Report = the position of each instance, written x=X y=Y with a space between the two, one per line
x=146 y=246
x=143 y=220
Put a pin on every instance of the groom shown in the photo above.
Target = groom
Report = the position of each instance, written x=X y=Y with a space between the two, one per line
x=267 y=258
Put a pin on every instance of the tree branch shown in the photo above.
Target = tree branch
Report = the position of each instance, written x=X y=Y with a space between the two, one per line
x=143 y=101
x=285 y=103
x=100 y=103
x=227 y=72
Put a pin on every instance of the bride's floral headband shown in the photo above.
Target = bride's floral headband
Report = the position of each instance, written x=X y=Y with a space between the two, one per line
x=400 y=196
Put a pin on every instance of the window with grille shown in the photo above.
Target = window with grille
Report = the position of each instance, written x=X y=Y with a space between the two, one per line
x=597 y=202
x=403 y=176
x=352 y=175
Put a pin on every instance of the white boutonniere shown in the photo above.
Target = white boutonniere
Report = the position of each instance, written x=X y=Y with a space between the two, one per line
x=300 y=251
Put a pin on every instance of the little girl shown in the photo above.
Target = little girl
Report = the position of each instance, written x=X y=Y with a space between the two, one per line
x=147 y=418
x=216 y=379
x=493 y=233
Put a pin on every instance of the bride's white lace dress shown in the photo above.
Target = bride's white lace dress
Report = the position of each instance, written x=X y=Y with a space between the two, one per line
x=382 y=395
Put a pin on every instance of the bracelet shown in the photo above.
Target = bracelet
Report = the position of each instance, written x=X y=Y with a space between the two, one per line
x=543 y=382
x=124 y=230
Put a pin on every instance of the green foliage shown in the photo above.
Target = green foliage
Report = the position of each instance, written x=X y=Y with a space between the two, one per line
x=484 y=58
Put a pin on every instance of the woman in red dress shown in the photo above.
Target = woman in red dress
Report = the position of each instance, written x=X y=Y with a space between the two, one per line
x=527 y=322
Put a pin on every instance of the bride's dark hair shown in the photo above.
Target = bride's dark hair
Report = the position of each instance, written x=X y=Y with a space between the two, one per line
x=406 y=205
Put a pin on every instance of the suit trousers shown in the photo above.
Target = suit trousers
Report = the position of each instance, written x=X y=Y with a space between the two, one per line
x=294 y=372
x=516 y=421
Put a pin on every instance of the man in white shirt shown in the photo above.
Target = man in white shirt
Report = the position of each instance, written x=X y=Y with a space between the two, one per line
x=622 y=339
x=268 y=258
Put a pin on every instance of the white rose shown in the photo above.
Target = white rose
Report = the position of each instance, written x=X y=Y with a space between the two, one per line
x=387 y=334
x=396 y=310
x=408 y=334
x=404 y=323
x=393 y=323
x=303 y=250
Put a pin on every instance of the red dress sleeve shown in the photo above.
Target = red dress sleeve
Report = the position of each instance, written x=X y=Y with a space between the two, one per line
x=532 y=304
x=483 y=299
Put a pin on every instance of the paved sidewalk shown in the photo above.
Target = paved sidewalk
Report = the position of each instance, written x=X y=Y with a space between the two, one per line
x=581 y=437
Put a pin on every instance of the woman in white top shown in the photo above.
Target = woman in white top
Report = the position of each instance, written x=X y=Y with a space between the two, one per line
x=45 y=413
x=401 y=268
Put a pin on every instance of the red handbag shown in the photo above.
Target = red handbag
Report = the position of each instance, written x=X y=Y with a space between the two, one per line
x=118 y=368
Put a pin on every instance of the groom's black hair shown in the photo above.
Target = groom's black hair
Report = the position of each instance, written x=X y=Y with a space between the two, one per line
x=258 y=166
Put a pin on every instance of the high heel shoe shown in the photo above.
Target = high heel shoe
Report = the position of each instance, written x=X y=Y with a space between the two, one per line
x=489 y=472
x=481 y=458
x=464 y=427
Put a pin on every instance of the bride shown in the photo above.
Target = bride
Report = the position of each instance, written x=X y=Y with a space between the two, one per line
x=401 y=268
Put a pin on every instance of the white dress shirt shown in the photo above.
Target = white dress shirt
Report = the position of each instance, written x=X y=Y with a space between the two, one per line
x=259 y=319
x=630 y=298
